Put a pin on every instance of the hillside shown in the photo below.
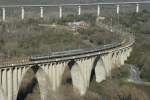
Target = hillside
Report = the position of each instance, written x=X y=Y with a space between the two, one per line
x=28 y=38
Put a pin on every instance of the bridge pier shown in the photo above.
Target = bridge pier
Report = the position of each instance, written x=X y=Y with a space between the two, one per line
x=4 y=81
x=19 y=76
x=100 y=70
x=43 y=82
x=122 y=58
x=3 y=14
x=15 y=83
x=79 y=10
x=81 y=72
x=60 y=11
x=55 y=72
x=118 y=60
x=107 y=63
x=41 y=12
x=118 y=9
x=98 y=10
x=114 y=59
x=9 y=84
x=22 y=13
x=2 y=95
x=0 y=77
x=129 y=52
x=137 y=8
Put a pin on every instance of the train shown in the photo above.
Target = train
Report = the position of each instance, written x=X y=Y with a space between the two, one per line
x=69 y=53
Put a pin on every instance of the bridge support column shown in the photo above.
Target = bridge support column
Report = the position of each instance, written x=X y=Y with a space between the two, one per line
x=126 y=56
x=2 y=95
x=100 y=71
x=24 y=69
x=19 y=77
x=58 y=74
x=53 y=79
x=22 y=13
x=118 y=9
x=55 y=73
x=123 y=57
x=15 y=83
x=41 y=12
x=4 y=81
x=79 y=10
x=98 y=10
x=129 y=51
x=114 y=59
x=3 y=14
x=60 y=11
x=108 y=63
x=10 y=84
x=137 y=8
x=0 y=77
x=118 y=60
x=81 y=73
x=44 y=85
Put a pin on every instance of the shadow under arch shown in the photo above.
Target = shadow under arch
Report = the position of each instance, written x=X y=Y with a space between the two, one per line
x=34 y=77
x=97 y=65
x=93 y=76
x=66 y=78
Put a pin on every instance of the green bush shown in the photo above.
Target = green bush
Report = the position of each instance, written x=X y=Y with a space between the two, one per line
x=120 y=73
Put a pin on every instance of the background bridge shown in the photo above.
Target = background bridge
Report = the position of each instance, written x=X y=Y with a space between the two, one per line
x=71 y=6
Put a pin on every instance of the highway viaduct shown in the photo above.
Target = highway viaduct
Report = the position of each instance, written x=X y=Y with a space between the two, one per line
x=49 y=69
x=79 y=6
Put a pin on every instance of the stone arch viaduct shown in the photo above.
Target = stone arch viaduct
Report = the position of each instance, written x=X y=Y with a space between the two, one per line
x=49 y=69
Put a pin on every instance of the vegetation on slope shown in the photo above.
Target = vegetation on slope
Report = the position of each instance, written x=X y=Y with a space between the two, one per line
x=26 y=37
x=114 y=90
x=139 y=24
x=141 y=53
x=117 y=88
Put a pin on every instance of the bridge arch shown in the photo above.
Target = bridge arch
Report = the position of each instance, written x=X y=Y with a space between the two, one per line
x=39 y=77
x=66 y=78
x=99 y=69
x=80 y=74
